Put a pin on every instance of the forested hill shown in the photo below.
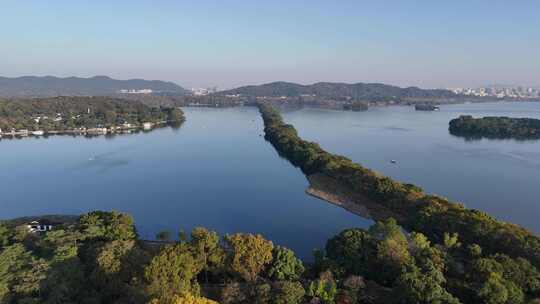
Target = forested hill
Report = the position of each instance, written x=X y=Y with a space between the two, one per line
x=33 y=86
x=338 y=90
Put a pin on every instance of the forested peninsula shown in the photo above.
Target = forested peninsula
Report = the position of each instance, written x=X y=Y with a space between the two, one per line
x=495 y=127
x=81 y=115
x=338 y=179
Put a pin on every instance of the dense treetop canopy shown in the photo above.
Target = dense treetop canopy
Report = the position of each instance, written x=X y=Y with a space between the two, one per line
x=100 y=259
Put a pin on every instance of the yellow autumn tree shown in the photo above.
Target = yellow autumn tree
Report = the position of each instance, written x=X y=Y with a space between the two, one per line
x=249 y=254
x=187 y=299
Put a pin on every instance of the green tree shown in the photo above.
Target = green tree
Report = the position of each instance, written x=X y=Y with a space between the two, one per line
x=352 y=249
x=419 y=242
x=285 y=265
x=205 y=246
x=495 y=284
x=66 y=282
x=392 y=250
x=64 y=244
x=451 y=241
x=286 y=292
x=21 y=234
x=417 y=286
x=185 y=299
x=325 y=290
x=232 y=293
x=261 y=294
x=519 y=271
x=108 y=226
x=6 y=236
x=493 y=290
x=108 y=273
x=474 y=251
x=21 y=273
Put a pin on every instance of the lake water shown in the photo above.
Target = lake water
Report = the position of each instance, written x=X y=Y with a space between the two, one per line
x=218 y=171
x=501 y=177
x=215 y=171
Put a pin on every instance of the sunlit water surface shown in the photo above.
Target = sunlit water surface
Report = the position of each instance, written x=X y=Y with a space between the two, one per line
x=215 y=171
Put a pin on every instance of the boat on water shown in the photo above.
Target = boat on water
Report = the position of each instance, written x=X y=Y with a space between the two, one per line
x=393 y=161
x=426 y=107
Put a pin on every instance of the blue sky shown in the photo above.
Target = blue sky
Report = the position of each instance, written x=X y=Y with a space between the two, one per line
x=231 y=43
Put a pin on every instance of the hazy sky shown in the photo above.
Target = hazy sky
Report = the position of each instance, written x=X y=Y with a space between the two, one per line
x=230 y=43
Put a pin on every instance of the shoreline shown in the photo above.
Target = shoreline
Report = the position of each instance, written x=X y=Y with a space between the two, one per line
x=331 y=191
x=64 y=218
x=89 y=132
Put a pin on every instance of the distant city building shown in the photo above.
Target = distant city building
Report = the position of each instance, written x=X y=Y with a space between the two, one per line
x=134 y=91
x=499 y=92
x=203 y=91
x=147 y=125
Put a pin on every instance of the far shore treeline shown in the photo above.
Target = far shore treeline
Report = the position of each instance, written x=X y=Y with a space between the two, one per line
x=495 y=127
x=61 y=114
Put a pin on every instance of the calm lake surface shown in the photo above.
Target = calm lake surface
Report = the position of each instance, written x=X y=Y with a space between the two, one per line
x=218 y=171
x=215 y=171
x=501 y=177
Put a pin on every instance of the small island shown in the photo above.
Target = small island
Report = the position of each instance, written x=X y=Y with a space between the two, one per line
x=81 y=116
x=495 y=128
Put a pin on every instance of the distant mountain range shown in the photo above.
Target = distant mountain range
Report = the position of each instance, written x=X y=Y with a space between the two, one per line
x=33 y=86
x=338 y=90
x=49 y=86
